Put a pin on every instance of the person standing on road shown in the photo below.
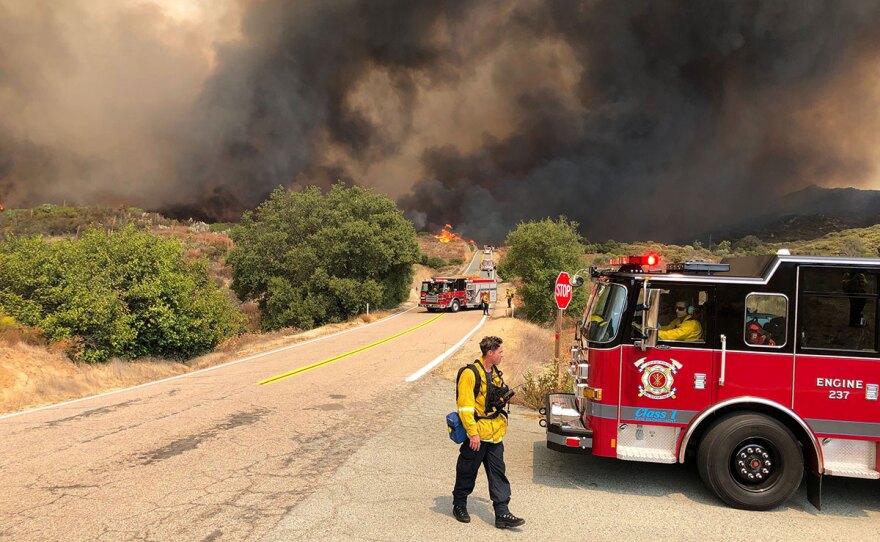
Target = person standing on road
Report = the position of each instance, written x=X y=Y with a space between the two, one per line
x=510 y=294
x=485 y=303
x=485 y=426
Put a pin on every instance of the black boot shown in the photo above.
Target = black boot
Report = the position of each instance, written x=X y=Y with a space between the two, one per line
x=461 y=514
x=508 y=520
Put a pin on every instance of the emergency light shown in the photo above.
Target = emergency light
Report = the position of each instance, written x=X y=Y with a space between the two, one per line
x=650 y=260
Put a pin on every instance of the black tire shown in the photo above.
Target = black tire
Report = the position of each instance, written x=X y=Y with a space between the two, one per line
x=430 y=309
x=455 y=305
x=750 y=461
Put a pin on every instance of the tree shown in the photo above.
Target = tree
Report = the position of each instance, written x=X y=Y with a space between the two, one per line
x=538 y=251
x=750 y=246
x=127 y=294
x=722 y=249
x=310 y=259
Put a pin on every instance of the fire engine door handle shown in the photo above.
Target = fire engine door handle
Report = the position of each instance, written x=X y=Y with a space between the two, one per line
x=723 y=359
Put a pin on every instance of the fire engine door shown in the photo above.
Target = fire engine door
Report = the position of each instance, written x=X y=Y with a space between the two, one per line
x=670 y=383
x=755 y=357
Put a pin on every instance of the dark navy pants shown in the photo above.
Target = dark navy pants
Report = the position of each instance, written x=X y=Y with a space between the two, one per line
x=491 y=456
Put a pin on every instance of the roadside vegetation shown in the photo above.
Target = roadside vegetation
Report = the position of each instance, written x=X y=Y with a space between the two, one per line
x=537 y=252
x=123 y=294
x=308 y=259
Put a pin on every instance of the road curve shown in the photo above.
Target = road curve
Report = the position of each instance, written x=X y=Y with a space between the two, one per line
x=214 y=455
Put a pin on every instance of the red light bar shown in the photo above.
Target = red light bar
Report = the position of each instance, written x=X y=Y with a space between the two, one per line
x=573 y=442
x=650 y=260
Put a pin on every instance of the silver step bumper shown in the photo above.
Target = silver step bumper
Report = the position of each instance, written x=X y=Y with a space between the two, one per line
x=565 y=429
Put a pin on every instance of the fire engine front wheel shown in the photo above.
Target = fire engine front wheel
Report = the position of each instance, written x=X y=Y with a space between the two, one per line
x=750 y=461
x=454 y=306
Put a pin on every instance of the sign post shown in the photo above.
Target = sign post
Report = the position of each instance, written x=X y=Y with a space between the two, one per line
x=562 y=293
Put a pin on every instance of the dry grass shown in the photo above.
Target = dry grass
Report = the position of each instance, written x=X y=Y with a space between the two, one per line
x=528 y=350
x=32 y=376
x=446 y=251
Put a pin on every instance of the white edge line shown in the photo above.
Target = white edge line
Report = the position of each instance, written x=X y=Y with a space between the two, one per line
x=421 y=372
x=205 y=370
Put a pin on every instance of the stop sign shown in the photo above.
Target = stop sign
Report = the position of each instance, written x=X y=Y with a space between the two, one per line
x=562 y=291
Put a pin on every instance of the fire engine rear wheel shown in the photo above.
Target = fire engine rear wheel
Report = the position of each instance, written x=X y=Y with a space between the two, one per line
x=750 y=461
x=454 y=306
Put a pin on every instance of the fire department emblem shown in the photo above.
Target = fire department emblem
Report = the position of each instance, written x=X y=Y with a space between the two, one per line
x=658 y=378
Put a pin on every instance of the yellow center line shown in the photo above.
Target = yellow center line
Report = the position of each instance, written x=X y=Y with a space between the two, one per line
x=295 y=372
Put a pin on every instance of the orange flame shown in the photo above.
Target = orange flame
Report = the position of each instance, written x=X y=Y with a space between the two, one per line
x=446 y=235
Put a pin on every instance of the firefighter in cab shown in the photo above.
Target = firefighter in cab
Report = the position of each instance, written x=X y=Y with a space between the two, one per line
x=684 y=327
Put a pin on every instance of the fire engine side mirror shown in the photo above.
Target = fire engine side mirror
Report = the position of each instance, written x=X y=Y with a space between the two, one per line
x=650 y=316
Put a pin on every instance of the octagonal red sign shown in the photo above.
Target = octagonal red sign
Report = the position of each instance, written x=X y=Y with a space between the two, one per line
x=562 y=290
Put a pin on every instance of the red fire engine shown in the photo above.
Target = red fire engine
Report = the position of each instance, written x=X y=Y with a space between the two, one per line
x=768 y=369
x=457 y=292
x=488 y=262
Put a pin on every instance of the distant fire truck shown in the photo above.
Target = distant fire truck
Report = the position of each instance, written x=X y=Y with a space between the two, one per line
x=488 y=262
x=455 y=293
x=768 y=369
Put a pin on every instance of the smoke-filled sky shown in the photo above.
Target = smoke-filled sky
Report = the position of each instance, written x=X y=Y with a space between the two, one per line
x=637 y=119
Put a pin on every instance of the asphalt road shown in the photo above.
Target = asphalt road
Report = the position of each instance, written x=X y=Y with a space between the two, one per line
x=347 y=449
x=473 y=267
x=398 y=486
x=213 y=455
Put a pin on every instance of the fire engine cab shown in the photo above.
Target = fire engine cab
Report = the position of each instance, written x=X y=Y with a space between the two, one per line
x=761 y=369
x=456 y=292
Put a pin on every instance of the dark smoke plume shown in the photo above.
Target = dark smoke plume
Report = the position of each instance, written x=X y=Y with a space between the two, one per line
x=637 y=119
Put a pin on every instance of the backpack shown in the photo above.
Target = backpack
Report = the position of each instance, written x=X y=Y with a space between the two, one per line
x=456 y=429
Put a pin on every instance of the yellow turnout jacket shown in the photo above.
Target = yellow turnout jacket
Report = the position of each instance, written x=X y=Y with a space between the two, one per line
x=490 y=430
x=681 y=329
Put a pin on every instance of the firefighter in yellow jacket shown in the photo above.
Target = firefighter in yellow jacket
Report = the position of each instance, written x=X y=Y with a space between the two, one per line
x=684 y=327
x=485 y=421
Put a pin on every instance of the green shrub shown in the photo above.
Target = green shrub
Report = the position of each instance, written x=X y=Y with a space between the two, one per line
x=310 y=259
x=538 y=251
x=433 y=261
x=127 y=294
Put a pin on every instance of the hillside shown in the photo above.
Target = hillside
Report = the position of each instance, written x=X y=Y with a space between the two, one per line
x=805 y=214
x=444 y=257
x=857 y=242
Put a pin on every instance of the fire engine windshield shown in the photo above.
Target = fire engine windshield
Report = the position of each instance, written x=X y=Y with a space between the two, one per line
x=604 y=312
x=435 y=287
